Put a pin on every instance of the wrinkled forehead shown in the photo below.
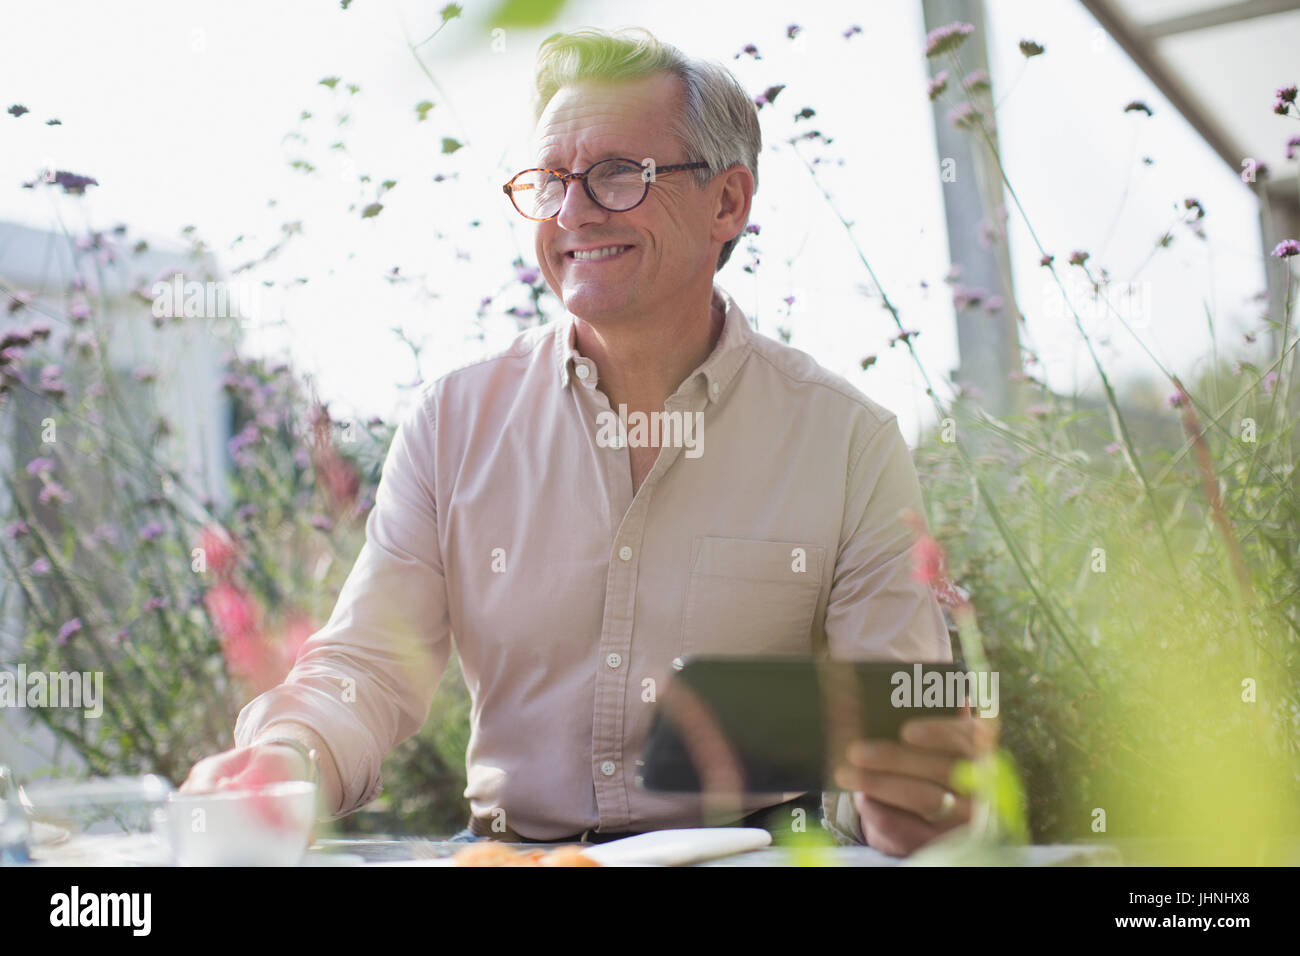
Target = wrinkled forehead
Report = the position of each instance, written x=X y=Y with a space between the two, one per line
x=590 y=121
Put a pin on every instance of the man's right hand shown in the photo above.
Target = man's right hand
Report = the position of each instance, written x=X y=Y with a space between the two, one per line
x=243 y=768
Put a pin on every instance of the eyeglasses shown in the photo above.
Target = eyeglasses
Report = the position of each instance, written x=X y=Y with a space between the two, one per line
x=616 y=185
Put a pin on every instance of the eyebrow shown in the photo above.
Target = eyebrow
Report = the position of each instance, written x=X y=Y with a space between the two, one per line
x=546 y=164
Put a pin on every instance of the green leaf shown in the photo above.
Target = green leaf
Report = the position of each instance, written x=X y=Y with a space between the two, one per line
x=372 y=210
x=451 y=11
x=526 y=13
x=422 y=109
x=387 y=184
x=330 y=81
x=450 y=145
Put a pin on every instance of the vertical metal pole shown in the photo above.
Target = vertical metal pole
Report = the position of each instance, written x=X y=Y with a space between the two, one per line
x=988 y=342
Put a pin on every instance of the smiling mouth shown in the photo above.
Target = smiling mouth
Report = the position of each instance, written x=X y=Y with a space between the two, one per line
x=602 y=254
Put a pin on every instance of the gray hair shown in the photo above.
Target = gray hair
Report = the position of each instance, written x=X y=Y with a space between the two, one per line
x=719 y=121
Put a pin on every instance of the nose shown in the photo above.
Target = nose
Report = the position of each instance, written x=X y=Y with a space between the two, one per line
x=577 y=209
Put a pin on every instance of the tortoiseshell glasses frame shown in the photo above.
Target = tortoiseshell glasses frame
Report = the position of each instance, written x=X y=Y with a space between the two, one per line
x=646 y=170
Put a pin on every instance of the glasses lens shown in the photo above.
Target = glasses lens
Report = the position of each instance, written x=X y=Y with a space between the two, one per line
x=616 y=184
x=537 y=193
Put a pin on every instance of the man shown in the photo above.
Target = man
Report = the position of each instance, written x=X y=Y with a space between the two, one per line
x=574 y=561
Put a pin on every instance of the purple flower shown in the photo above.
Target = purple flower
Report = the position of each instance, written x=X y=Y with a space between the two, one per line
x=144 y=375
x=155 y=604
x=15 y=338
x=852 y=31
x=78 y=312
x=1292 y=147
x=38 y=466
x=1137 y=106
x=938 y=83
x=976 y=81
x=1287 y=94
x=1286 y=249
x=122 y=635
x=72 y=184
x=993 y=304
x=1046 y=260
x=1114 y=448
x=106 y=533
x=792 y=31
x=39 y=331
x=527 y=274
x=967 y=297
x=151 y=531
x=788 y=300
x=947 y=38
x=321 y=523
x=1268 y=382
x=40 y=566
x=1078 y=257
x=16 y=529
x=246 y=512
x=1177 y=398
x=18 y=300
x=964 y=116
x=53 y=493
x=68 y=629
x=753 y=229
x=1031 y=49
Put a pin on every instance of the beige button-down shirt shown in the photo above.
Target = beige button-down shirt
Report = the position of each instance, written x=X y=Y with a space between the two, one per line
x=505 y=520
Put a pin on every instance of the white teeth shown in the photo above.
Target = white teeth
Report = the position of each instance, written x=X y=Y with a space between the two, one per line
x=604 y=253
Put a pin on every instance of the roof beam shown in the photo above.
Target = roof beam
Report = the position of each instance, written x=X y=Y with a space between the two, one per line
x=1133 y=41
x=1217 y=17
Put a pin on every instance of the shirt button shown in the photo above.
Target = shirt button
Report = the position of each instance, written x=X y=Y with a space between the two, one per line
x=625 y=553
x=608 y=768
x=678 y=664
x=716 y=388
x=582 y=372
x=614 y=660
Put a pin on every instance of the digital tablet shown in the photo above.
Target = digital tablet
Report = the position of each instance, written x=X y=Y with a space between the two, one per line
x=761 y=725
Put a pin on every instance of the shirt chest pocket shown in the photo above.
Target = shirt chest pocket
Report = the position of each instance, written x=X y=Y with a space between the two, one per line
x=751 y=597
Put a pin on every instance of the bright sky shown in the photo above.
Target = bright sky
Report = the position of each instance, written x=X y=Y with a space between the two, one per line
x=184 y=114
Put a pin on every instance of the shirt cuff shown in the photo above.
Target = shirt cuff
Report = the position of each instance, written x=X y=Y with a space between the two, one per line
x=841 y=818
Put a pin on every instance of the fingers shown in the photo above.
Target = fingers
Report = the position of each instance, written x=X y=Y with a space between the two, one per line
x=215 y=772
x=890 y=757
x=966 y=737
x=926 y=799
x=890 y=830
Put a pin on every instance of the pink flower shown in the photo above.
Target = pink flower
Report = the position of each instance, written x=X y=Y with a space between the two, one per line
x=68 y=629
x=220 y=552
x=946 y=38
x=1286 y=249
x=233 y=611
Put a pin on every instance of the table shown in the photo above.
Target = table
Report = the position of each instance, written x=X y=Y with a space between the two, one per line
x=147 y=850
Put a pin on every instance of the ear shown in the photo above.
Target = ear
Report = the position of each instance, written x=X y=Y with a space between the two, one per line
x=731 y=209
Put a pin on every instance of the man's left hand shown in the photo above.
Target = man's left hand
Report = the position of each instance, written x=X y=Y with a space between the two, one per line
x=903 y=791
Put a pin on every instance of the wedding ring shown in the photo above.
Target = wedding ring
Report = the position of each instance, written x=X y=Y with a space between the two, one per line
x=946 y=807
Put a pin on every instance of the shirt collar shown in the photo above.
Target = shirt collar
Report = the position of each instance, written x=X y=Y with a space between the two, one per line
x=717 y=371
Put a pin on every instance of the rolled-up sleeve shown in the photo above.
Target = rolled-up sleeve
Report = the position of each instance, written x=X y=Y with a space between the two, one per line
x=365 y=681
x=877 y=609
